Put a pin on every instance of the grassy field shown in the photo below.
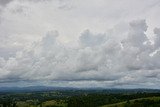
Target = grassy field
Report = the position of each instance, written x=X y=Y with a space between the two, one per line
x=23 y=104
x=44 y=104
x=122 y=104
x=54 y=103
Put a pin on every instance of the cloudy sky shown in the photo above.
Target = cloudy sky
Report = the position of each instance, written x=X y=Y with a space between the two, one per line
x=80 y=43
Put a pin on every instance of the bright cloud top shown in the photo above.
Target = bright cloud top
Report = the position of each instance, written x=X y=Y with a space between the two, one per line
x=98 y=43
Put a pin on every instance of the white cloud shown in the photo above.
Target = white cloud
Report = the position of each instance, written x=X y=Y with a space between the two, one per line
x=46 y=42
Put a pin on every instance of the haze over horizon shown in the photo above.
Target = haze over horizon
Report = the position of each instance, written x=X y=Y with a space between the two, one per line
x=80 y=43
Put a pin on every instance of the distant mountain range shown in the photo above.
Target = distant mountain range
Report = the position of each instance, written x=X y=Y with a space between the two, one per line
x=49 y=88
x=32 y=89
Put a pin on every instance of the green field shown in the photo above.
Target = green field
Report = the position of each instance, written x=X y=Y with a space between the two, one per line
x=122 y=104
x=44 y=104
x=54 y=103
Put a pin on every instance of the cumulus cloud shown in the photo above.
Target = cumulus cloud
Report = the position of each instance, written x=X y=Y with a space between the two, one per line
x=89 y=39
x=34 y=50
x=50 y=60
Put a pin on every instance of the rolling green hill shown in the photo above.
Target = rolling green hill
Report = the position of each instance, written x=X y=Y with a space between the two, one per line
x=139 y=101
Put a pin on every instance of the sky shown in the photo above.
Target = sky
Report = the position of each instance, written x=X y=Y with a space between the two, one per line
x=80 y=43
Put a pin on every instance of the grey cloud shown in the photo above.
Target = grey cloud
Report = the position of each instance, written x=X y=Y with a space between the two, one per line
x=4 y=2
x=137 y=35
x=157 y=38
x=89 y=39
